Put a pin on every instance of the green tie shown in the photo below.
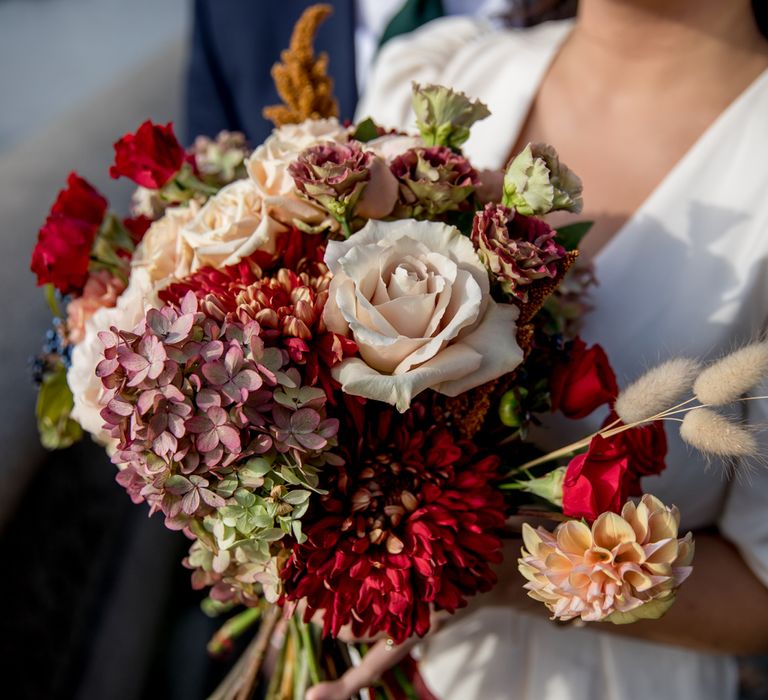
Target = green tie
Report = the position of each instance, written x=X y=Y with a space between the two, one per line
x=411 y=16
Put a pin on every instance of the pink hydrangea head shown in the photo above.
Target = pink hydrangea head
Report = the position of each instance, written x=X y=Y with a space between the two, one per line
x=516 y=249
x=190 y=397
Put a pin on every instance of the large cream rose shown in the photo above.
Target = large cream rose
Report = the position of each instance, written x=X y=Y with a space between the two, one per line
x=85 y=385
x=415 y=298
x=268 y=164
x=231 y=226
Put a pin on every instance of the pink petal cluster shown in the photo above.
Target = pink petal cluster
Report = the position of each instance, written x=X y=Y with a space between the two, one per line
x=622 y=569
x=190 y=395
x=516 y=249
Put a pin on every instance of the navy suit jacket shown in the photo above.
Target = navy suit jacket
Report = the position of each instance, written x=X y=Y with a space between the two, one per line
x=234 y=45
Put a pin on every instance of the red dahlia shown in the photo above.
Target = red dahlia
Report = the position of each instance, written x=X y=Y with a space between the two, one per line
x=412 y=526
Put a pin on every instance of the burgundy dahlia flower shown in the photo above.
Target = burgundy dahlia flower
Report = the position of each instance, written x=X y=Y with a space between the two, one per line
x=516 y=249
x=412 y=526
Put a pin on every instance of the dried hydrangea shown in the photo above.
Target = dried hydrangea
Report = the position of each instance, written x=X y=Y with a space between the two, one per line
x=190 y=396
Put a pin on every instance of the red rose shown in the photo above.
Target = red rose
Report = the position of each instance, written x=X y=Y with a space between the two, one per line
x=137 y=227
x=64 y=243
x=596 y=482
x=646 y=449
x=150 y=157
x=63 y=252
x=80 y=200
x=584 y=383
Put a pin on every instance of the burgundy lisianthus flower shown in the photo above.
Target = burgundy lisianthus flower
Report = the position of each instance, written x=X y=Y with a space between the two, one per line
x=433 y=181
x=584 y=382
x=516 y=249
x=333 y=174
x=150 y=157
x=413 y=526
x=64 y=243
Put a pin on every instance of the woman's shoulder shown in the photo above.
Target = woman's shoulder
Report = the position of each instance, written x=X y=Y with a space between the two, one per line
x=462 y=52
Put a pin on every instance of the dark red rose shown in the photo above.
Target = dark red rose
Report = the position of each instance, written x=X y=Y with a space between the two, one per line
x=63 y=252
x=80 y=200
x=64 y=243
x=137 y=226
x=597 y=481
x=583 y=383
x=150 y=157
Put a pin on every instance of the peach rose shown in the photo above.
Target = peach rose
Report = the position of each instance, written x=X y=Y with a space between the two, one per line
x=415 y=298
x=101 y=291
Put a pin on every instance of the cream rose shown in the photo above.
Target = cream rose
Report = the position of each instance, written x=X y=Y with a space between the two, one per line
x=415 y=298
x=268 y=164
x=231 y=226
x=85 y=385
x=161 y=253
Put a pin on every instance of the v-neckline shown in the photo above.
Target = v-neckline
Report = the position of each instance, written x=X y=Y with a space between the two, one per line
x=523 y=110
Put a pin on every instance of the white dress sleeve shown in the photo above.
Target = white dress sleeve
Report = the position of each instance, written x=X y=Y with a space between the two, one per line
x=419 y=56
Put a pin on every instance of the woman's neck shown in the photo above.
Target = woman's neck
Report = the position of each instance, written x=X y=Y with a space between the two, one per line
x=652 y=43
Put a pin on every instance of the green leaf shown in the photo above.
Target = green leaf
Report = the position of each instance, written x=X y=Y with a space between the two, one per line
x=570 y=236
x=366 y=131
x=296 y=498
x=272 y=534
x=54 y=405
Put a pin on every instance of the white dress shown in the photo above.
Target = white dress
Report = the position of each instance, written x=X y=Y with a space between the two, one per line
x=687 y=274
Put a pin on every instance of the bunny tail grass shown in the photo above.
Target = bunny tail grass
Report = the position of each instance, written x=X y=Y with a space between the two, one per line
x=657 y=390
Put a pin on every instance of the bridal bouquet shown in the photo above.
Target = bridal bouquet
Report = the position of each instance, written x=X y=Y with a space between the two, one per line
x=320 y=361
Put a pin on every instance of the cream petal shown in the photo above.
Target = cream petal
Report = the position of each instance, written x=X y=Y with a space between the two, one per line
x=380 y=194
x=662 y=525
x=406 y=281
x=494 y=339
x=610 y=530
x=531 y=539
x=332 y=316
x=410 y=315
x=385 y=357
x=574 y=536
x=358 y=379
x=466 y=295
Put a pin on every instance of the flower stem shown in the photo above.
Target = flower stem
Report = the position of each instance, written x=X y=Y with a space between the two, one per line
x=232 y=629
x=309 y=650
